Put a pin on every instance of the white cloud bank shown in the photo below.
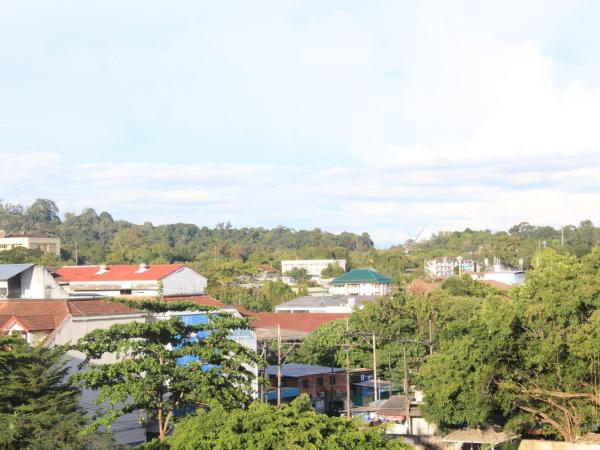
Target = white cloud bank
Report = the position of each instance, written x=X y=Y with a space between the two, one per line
x=380 y=116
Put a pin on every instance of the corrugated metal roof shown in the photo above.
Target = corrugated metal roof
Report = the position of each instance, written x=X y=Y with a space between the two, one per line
x=7 y=271
x=325 y=301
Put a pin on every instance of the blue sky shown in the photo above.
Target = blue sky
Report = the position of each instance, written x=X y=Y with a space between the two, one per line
x=381 y=116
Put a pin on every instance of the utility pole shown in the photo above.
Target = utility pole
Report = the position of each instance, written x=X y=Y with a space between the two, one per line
x=562 y=236
x=278 y=365
x=347 y=348
x=375 y=383
x=406 y=399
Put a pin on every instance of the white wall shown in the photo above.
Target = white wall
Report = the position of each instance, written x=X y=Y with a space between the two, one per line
x=360 y=289
x=184 y=281
x=38 y=283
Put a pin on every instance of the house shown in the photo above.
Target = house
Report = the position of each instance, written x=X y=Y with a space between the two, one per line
x=313 y=267
x=135 y=280
x=332 y=304
x=58 y=322
x=393 y=412
x=28 y=281
x=45 y=244
x=447 y=266
x=326 y=386
x=360 y=282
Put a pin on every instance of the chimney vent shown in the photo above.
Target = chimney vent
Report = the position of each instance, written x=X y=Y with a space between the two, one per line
x=142 y=268
x=102 y=269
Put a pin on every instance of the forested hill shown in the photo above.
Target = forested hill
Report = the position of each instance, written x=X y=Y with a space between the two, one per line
x=223 y=253
x=91 y=238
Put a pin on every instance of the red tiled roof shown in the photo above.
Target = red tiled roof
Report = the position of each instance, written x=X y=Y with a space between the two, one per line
x=303 y=322
x=33 y=323
x=204 y=300
x=57 y=309
x=115 y=273
x=98 y=307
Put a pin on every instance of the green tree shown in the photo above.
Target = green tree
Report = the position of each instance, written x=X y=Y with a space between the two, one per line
x=528 y=361
x=262 y=426
x=38 y=408
x=299 y=273
x=164 y=365
x=332 y=271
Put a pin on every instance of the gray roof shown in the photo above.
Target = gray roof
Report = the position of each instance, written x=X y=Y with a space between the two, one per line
x=325 y=301
x=7 y=271
x=295 y=370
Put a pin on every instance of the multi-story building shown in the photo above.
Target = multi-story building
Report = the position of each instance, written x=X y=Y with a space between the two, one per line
x=326 y=386
x=360 y=282
x=314 y=267
x=31 y=242
x=448 y=266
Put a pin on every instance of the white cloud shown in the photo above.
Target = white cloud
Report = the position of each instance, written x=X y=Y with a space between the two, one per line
x=380 y=116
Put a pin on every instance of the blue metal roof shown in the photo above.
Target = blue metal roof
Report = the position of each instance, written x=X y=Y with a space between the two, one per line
x=7 y=271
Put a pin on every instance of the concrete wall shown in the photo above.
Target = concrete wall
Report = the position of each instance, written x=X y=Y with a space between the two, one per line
x=360 y=289
x=185 y=281
x=530 y=444
x=38 y=283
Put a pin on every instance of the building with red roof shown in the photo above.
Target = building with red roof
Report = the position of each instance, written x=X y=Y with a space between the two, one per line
x=291 y=325
x=145 y=280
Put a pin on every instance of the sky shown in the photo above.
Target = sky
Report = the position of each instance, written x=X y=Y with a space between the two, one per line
x=380 y=116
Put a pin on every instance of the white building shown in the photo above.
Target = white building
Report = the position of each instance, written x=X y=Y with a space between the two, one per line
x=512 y=277
x=143 y=280
x=314 y=267
x=360 y=282
x=448 y=266
x=28 y=281
x=45 y=244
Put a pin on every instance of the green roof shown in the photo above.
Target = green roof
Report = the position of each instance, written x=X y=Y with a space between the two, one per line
x=361 y=276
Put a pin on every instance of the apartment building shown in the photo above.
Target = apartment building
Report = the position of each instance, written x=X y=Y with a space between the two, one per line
x=314 y=267
x=46 y=244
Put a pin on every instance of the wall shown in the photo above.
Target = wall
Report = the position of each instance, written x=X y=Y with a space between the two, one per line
x=38 y=283
x=184 y=281
x=360 y=289
x=530 y=444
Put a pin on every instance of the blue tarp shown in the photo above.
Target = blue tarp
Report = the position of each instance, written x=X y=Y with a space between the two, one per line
x=286 y=392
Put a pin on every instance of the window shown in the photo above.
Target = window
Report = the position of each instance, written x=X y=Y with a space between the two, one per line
x=305 y=384
x=332 y=379
x=125 y=292
x=319 y=382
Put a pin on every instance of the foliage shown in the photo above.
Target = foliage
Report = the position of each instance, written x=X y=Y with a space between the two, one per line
x=332 y=270
x=527 y=362
x=467 y=287
x=299 y=273
x=38 y=409
x=262 y=426
x=164 y=365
